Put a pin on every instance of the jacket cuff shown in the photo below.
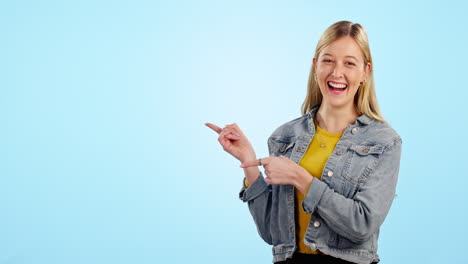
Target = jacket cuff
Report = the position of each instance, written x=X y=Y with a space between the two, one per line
x=313 y=196
x=254 y=190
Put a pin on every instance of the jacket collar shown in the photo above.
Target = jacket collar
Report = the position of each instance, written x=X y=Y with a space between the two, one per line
x=363 y=119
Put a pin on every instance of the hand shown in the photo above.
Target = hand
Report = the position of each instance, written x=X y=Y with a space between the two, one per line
x=278 y=170
x=234 y=141
x=281 y=170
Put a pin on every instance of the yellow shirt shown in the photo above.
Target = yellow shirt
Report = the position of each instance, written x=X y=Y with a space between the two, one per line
x=313 y=161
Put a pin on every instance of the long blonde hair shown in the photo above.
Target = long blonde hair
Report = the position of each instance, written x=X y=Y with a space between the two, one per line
x=365 y=100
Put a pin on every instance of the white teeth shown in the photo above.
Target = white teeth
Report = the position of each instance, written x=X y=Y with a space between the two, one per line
x=335 y=85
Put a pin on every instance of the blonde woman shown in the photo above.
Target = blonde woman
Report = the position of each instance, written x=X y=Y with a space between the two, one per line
x=331 y=174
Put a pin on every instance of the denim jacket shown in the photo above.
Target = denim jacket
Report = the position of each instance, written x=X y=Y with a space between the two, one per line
x=349 y=203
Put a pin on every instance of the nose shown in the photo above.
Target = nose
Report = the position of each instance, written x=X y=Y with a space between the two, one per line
x=338 y=71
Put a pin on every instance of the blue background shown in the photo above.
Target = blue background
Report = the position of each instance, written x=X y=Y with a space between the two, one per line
x=104 y=156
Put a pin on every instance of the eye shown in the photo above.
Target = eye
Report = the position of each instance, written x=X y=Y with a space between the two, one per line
x=327 y=60
x=350 y=63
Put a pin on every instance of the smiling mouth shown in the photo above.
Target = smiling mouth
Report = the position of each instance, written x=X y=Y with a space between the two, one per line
x=336 y=88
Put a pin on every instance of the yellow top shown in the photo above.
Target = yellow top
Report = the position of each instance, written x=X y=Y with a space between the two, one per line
x=313 y=161
x=320 y=148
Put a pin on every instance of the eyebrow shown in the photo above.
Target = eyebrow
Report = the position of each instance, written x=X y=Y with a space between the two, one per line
x=327 y=54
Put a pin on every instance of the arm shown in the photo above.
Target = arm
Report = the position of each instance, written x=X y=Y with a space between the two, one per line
x=358 y=218
x=251 y=175
x=258 y=196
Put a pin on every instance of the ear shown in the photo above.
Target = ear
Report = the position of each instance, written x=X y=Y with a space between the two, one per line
x=314 y=63
x=367 y=70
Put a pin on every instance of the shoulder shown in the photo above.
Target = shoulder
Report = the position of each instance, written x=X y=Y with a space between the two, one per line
x=381 y=132
x=293 y=128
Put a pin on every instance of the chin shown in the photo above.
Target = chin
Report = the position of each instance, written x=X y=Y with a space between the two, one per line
x=339 y=103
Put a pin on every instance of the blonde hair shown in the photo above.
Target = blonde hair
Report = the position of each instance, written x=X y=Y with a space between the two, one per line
x=365 y=100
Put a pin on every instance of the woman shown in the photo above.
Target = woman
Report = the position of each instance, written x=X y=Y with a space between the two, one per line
x=331 y=175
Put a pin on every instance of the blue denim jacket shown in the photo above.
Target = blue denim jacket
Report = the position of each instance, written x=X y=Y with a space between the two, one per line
x=349 y=203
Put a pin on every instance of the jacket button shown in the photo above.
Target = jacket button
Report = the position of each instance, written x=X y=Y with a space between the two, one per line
x=365 y=150
x=316 y=223
x=354 y=131
x=313 y=247
x=283 y=148
x=330 y=173
x=339 y=152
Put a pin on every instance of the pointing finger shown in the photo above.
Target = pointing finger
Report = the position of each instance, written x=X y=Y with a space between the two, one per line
x=215 y=128
x=257 y=162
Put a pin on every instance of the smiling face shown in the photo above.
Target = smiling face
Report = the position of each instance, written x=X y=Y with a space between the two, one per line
x=340 y=68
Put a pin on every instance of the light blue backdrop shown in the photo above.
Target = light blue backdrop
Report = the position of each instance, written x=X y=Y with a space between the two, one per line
x=104 y=157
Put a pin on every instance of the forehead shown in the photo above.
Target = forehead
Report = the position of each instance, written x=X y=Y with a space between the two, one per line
x=343 y=47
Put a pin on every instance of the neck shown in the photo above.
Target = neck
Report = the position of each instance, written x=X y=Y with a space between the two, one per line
x=336 y=120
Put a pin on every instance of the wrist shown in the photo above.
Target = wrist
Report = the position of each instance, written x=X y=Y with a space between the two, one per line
x=303 y=180
x=248 y=157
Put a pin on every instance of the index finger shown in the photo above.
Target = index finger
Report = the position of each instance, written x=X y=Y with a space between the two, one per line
x=253 y=163
x=216 y=128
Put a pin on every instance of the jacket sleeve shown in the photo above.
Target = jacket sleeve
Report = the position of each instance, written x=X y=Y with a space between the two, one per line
x=258 y=196
x=360 y=217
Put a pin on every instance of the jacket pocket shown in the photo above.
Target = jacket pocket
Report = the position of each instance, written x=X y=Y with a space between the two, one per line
x=281 y=148
x=361 y=161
